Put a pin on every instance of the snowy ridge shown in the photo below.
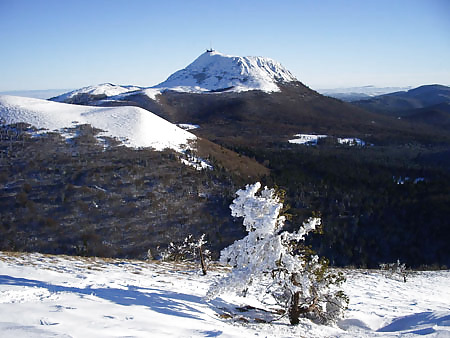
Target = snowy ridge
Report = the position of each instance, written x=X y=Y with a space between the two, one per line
x=214 y=71
x=104 y=89
x=135 y=127
x=61 y=296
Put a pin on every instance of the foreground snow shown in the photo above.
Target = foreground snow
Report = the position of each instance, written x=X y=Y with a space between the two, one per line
x=59 y=296
x=136 y=127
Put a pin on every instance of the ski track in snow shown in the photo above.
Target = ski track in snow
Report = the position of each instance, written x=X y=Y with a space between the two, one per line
x=61 y=296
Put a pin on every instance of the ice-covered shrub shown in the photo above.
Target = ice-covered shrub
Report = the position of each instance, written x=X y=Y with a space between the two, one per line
x=189 y=249
x=299 y=280
x=395 y=270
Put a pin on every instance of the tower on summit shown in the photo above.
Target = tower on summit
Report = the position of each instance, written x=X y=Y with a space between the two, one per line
x=210 y=50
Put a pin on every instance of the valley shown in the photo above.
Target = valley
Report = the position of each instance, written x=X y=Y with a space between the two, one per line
x=105 y=199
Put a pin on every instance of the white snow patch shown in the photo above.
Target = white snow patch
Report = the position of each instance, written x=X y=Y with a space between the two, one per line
x=402 y=180
x=195 y=161
x=309 y=139
x=152 y=92
x=214 y=71
x=312 y=139
x=134 y=126
x=351 y=141
x=188 y=126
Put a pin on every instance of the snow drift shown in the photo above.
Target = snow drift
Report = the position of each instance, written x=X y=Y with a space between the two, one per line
x=135 y=127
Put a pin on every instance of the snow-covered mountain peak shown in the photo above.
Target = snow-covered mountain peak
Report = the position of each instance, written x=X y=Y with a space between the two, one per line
x=103 y=89
x=214 y=71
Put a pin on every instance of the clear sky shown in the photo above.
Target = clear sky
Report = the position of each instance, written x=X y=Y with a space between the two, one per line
x=326 y=44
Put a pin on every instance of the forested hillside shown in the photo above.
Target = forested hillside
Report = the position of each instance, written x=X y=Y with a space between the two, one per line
x=378 y=204
x=83 y=197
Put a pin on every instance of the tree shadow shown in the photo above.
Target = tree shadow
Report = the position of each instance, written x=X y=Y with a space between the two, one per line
x=165 y=302
x=422 y=323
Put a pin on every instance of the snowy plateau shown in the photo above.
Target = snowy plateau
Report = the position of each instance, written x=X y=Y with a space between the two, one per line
x=136 y=127
x=62 y=296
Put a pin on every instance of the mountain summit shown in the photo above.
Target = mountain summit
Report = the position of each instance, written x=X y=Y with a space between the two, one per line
x=214 y=71
x=210 y=72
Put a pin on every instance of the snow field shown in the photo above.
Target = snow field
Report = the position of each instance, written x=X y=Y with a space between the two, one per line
x=61 y=296
x=135 y=127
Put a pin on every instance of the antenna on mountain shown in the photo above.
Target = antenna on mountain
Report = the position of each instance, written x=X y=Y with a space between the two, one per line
x=210 y=50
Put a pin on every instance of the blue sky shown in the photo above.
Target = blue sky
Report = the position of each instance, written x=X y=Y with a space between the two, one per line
x=325 y=44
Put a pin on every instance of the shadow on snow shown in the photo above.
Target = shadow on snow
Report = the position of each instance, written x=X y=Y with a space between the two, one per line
x=165 y=302
x=421 y=323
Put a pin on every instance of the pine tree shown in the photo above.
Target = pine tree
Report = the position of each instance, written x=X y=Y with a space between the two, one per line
x=299 y=281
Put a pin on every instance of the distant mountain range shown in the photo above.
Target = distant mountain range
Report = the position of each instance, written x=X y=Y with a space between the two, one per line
x=428 y=104
x=241 y=100
x=37 y=94
x=359 y=93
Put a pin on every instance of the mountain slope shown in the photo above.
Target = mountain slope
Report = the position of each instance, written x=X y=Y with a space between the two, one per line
x=437 y=115
x=135 y=126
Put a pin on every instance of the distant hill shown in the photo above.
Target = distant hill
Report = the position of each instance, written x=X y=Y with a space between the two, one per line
x=400 y=103
x=426 y=105
x=437 y=115
x=359 y=93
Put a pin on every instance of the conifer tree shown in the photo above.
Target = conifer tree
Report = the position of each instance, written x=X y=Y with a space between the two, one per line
x=299 y=281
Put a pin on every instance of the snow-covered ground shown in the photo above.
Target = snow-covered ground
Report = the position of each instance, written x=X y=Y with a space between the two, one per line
x=60 y=296
x=135 y=126
x=310 y=139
